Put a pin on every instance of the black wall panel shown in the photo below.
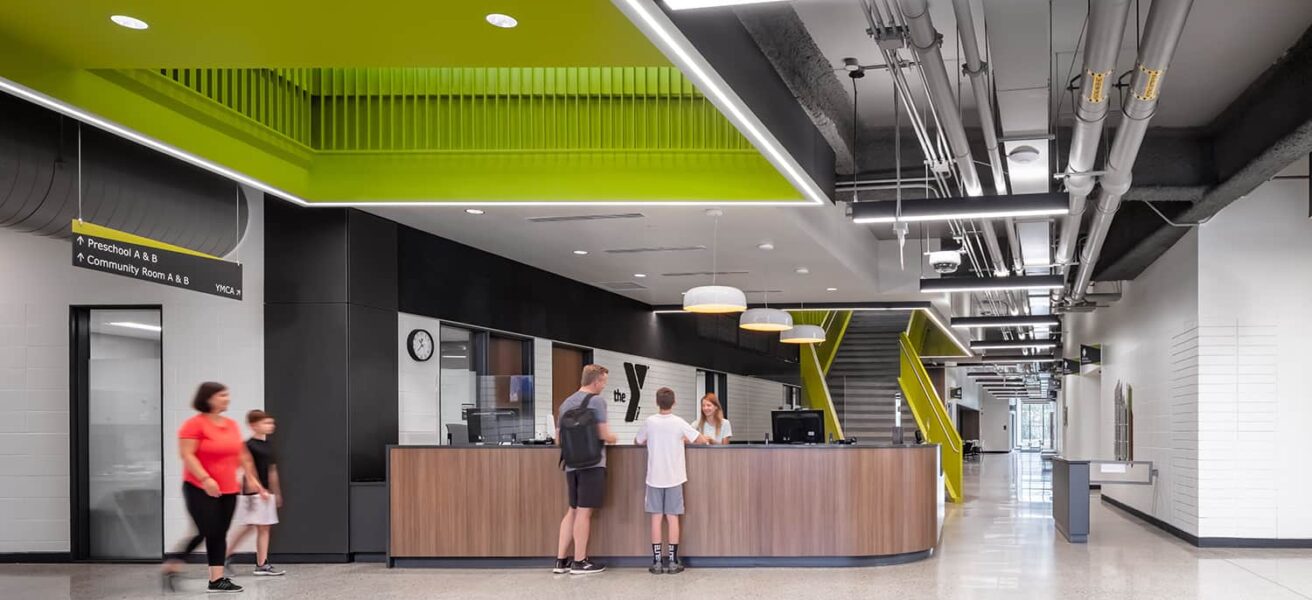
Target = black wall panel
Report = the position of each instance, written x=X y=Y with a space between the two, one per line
x=305 y=253
x=371 y=260
x=372 y=390
x=305 y=350
x=723 y=41
x=330 y=363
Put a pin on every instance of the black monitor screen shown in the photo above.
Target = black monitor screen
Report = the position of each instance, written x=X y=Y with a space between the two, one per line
x=798 y=426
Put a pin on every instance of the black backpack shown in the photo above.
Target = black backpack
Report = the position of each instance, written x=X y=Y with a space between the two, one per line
x=580 y=445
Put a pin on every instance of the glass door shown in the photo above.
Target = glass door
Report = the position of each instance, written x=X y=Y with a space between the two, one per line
x=118 y=460
x=1036 y=426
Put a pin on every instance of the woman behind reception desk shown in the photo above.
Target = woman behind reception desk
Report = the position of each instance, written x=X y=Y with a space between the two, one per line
x=711 y=422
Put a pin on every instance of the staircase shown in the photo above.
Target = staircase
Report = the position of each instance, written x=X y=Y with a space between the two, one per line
x=863 y=379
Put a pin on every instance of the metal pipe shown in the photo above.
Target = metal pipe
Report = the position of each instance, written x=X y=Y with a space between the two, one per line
x=1106 y=30
x=1161 y=35
x=977 y=71
x=925 y=41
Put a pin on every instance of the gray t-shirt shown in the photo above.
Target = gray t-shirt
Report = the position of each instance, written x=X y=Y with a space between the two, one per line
x=598 y=406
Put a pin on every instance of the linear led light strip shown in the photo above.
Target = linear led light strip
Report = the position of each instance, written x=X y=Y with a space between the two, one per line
x=62 y=107
x=991 y=214
x=678 y=48
x=59 y=106
x=1040 y=344
x=688 y=4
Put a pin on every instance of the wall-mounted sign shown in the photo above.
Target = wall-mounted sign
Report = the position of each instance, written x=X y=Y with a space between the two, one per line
x=1090 y=355
x=955 y=393
x=121 y=253
x=636 y=375
x=1070 y=366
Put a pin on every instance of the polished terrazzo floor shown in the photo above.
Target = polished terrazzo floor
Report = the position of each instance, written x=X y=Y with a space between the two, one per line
x=999 y=544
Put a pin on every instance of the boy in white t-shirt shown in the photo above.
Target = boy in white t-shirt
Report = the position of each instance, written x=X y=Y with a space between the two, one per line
x=664 y=436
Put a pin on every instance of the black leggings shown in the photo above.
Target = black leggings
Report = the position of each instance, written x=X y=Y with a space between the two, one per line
x=212 y=517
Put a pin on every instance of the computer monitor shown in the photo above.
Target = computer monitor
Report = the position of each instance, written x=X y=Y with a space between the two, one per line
x=798 y=426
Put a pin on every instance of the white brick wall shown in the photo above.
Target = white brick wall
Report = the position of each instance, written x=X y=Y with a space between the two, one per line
x=205 y=338
x=417 y=384
x=680 y=378
x=1145 y=341
x=1227 y=411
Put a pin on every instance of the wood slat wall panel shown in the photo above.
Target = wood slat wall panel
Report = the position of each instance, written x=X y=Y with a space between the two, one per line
x=742 y=502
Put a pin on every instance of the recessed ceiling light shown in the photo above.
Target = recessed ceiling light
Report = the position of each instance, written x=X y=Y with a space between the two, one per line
x=802 y=270
x=474 y=211
x=129 y=22
x=831 y=289
x=502 y=21
x=765 y=246
x=580 y=252
x=639 y=275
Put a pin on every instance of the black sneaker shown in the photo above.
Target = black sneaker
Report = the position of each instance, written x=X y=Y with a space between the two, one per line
x=656 y=568
x=223 y=585
x=562 y=566
x=586 y=567
x=676 y=566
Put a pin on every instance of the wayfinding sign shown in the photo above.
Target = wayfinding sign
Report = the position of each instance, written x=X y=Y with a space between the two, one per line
x=121 y=253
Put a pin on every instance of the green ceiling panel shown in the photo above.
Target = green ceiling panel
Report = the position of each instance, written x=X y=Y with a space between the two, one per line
x=472 y=109
x=549 y=130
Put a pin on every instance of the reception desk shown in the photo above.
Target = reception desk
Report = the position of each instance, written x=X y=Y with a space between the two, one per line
x=746 y=505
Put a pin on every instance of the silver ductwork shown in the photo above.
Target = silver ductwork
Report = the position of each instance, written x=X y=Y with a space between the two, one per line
x=977 y=71
x=925 y=41
x=1161 y=35
x=1106 y=30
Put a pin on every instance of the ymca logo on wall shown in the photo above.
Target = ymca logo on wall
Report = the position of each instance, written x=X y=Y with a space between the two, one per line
x=636 y=375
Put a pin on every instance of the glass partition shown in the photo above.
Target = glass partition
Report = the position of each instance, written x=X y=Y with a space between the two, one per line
x=124 y=467
x=457 y=381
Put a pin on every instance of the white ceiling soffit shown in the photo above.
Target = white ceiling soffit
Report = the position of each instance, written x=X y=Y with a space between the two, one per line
x=821 y=239
x=1035 y=246
x=1018 y=59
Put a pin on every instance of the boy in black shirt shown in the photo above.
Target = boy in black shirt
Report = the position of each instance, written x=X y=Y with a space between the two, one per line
x=252 y=510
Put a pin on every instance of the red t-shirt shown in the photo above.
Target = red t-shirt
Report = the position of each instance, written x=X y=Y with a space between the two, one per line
x=218 y=448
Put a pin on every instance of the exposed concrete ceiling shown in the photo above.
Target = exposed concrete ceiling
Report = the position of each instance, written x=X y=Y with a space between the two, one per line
x=1233 y=110
x=1224 y=49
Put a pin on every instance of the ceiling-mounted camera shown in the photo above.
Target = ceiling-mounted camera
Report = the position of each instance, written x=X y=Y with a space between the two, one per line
x=945 y=261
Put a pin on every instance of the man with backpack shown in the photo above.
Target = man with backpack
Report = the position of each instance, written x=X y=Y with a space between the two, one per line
x=582 y=432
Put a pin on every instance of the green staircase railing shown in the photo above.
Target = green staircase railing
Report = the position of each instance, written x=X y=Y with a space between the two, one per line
x=930 y=414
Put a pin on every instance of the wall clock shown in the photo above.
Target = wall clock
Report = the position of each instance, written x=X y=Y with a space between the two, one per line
x=420 y=345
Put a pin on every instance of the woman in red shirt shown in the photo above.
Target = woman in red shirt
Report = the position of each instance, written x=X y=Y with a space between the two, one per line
x=211 y=448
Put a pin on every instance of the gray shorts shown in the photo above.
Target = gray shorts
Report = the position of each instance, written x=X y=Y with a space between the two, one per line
x=665 y=501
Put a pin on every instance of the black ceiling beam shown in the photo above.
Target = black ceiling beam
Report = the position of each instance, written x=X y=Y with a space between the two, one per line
x=1264 y=130
x=785 y=41
x=725 y=42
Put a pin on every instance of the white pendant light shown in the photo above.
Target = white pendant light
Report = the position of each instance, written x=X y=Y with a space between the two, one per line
x=765 y=319
x=803 y=334
x=714 y=299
